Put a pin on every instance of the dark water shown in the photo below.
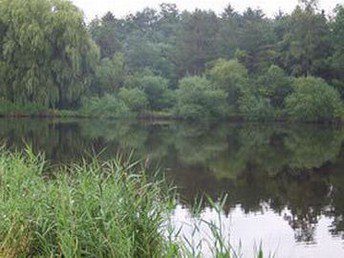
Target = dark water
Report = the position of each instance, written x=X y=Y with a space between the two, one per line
x=285 y=183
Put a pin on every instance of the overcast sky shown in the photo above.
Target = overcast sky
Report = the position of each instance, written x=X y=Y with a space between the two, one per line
x=121 y=8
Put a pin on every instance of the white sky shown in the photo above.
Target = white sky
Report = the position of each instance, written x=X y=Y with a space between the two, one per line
x=121 y=8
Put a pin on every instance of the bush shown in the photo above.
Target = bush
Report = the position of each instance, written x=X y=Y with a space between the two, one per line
x=158 y=94
x=197 y=99
x=276 y=86
x=135 y=99
x=313 y=100
x=107 y=106
x=156 y=89
x=256 y=108
x=231 y=77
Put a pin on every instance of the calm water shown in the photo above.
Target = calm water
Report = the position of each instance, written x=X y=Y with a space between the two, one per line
x=285 y=183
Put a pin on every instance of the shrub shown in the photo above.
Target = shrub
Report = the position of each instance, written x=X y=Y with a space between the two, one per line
x=276 y=86
x=158 y=94
x=135 y=99
x=231 y=77
x=156 y=89
x=313 y=100
x=197 y=99
x=107 y=106
x=256 y=108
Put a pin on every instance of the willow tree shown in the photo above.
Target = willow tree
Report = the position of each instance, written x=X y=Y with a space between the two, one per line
x=47 y=56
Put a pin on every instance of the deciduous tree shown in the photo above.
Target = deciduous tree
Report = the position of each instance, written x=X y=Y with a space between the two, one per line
x=47 y=54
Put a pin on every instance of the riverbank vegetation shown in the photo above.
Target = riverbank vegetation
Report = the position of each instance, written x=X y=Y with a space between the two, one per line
x=92 y=209
x=102 y=210
x=189 y=65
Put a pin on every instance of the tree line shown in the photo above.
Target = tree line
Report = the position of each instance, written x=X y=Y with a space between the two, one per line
x=190 y=65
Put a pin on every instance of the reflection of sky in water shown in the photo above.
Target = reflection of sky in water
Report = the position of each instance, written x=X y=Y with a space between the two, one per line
x=247 y=231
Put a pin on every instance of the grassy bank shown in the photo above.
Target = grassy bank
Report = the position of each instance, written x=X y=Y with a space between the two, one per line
x=110 y=108
x=92 y=209
x=16 y=110
x=36 y=111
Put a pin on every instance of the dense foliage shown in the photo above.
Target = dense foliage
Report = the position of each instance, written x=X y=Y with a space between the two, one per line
x=197 y=99
x=75 y=215
x=47 y=56
x=145 y=57
x=313 y=100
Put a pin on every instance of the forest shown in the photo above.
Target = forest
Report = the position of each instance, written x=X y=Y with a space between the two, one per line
x=169 y=63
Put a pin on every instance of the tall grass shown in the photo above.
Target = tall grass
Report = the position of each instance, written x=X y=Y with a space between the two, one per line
x=94 y=210
x=91 y=209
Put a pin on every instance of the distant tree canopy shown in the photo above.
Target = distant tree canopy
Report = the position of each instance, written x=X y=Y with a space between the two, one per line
x=47 y=56
x=245 y=64
x=174 y=44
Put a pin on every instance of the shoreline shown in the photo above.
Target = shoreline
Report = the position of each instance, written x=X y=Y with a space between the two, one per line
x=158 y=117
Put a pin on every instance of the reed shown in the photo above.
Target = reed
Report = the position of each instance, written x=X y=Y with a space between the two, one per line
x=90 y=209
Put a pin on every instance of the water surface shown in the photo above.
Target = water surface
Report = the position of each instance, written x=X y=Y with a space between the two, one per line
x=285 y=183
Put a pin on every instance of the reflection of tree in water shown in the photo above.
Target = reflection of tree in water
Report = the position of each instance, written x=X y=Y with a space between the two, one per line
x=336 y=193
x=284 y=167
x=304 y=228
x=314 y=147
x=299 y=168
x=305 y=198
x=199 y=144
x=275 y=149
x=59 y=141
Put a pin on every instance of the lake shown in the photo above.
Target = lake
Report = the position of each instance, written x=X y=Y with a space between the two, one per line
x=285 y=183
